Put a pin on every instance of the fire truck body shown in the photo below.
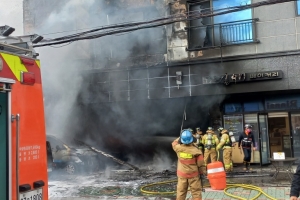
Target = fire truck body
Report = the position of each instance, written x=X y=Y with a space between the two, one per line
x=23 y=166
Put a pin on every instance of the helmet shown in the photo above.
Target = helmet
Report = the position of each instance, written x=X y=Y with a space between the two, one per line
x=186 y=136
x=210 y=130
x=198 y=129
x=220 y=129
x=247 y=126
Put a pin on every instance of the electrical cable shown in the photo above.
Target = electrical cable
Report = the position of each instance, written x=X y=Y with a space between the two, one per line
x=128 y=27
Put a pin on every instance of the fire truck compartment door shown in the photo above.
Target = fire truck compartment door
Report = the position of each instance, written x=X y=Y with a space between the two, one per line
x=4 y=145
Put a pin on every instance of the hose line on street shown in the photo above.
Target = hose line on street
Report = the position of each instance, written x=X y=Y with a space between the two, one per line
x=155 y=184
x=228 y=186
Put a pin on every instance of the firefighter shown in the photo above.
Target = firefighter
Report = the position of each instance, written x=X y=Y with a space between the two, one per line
x=246 y=139
x=198 y=135
x=190 y=165
x=226 y=144
x=210 y=141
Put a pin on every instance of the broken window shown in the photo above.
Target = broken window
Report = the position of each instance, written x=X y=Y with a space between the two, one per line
x=219 y=30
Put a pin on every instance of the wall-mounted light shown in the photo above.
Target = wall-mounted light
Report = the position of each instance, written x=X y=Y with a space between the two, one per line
x=6 y=30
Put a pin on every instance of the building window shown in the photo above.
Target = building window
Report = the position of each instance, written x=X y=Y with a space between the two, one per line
x=220 y=30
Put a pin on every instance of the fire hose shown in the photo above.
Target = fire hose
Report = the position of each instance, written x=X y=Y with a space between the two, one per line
x=228 y=186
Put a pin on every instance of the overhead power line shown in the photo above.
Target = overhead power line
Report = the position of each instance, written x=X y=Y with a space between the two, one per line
x=128 y=27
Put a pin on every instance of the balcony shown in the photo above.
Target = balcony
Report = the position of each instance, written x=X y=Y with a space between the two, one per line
x=223 y=34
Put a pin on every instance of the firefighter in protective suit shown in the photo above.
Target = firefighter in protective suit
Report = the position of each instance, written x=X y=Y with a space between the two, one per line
x=210 y=142
x=226 y=144
x=189 y=166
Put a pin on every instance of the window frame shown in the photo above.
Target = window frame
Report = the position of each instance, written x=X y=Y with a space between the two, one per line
x=297 y=7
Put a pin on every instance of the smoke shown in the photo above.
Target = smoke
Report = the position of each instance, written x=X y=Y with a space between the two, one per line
x=11 y=14
x=74 y=94
x=63 y=68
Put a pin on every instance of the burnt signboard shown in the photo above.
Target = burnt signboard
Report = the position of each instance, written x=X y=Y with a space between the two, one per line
x=243 y=77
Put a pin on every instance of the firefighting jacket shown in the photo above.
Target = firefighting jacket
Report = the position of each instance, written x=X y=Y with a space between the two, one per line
x=214 y=141
x=225 y=141
x=246 y=140
x=190 y=160
x=295 y=187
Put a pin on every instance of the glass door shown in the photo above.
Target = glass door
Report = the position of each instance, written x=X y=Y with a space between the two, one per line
x=263 y=139
x=3 y=146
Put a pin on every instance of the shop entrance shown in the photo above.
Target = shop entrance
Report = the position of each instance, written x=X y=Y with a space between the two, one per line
x=279 y=133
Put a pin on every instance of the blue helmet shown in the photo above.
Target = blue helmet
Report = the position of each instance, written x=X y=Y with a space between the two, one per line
x=186 y=137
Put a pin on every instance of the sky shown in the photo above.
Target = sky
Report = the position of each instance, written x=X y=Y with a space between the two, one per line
x=11 y=13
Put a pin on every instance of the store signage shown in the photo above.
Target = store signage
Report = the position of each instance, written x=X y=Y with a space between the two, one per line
x=243 y=77
x=283 y=103
x=293 y=104
x=278 y=155
x=267 y=75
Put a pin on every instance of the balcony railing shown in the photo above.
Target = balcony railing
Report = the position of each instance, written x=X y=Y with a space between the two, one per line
x=223 y=34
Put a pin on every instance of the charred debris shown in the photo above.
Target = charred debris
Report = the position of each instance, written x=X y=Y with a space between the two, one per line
x=134 y=172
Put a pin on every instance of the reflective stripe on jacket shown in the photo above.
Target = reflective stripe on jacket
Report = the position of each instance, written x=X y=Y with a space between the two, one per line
x=190 y=160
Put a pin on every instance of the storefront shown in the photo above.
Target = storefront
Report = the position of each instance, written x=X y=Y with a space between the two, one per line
x=276 y=124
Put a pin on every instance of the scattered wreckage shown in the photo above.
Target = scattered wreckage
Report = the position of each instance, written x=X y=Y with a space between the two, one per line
x=77 y=159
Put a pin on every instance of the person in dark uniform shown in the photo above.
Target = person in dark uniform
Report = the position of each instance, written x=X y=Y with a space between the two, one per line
x=246 y=141
x=295 y=186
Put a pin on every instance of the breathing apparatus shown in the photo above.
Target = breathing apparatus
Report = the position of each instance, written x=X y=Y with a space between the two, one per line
x=220 y=129
x=231 y=135
x=209 y=138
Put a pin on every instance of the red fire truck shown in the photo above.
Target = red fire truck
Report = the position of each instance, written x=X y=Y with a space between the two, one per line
x=23 y=166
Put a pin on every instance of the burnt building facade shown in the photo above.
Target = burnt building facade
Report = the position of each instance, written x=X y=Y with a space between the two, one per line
x=222 y=70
